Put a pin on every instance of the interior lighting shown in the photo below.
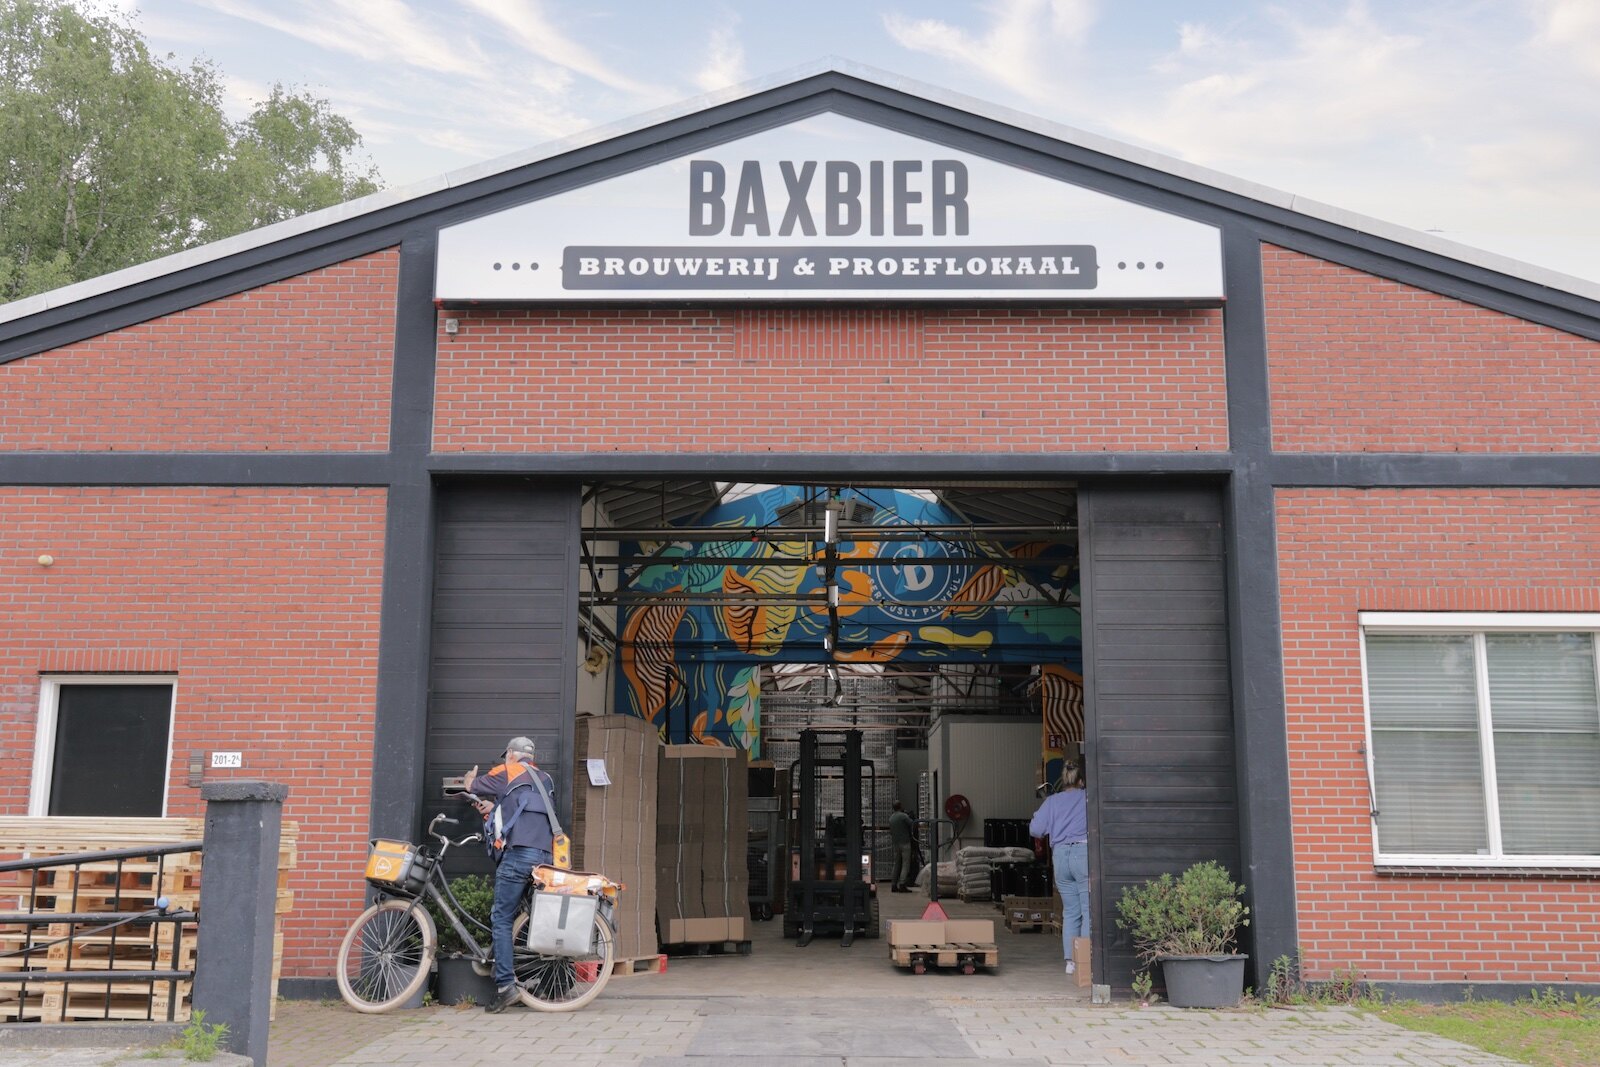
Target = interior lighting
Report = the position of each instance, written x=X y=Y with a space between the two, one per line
x=830 y=520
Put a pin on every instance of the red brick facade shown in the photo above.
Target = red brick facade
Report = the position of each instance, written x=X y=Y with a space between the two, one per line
x=938 y=380
x=1345 y=551
x=301 y=365
x=262 y=603
x=1361 y=364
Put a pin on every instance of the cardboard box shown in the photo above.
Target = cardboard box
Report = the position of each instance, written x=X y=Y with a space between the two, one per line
x=687 y=931
x=969 y=931
x=905 y=932
x=1080 y=958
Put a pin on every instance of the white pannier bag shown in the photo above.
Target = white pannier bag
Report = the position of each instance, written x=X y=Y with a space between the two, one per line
x=562 y=924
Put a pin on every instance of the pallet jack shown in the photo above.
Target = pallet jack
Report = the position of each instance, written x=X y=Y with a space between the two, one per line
x=831 y=888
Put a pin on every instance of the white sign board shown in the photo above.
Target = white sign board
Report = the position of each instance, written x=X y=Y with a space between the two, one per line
x=830 y=208
x=227 y=759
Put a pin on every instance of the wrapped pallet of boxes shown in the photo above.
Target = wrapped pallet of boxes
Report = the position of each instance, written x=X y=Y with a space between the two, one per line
x=614 y=825
x=702 y=825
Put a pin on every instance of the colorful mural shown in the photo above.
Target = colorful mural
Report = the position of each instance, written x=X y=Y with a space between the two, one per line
x=1060 y=693
x=690 y=665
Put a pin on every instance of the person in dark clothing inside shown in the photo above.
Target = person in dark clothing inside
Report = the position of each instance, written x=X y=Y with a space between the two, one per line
x=901 y=835
x=514 y=810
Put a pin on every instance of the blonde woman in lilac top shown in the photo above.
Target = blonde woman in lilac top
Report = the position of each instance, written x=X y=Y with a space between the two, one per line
x=1064 y=819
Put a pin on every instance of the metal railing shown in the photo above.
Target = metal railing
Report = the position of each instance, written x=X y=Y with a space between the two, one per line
x=101 y=950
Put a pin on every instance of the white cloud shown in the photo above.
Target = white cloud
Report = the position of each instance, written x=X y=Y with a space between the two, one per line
x=533 y=30
x=1571 y=27
x=376 y=30
x=1293 y=86
x=241 y=95
x=1019 y=49
x=724 y=65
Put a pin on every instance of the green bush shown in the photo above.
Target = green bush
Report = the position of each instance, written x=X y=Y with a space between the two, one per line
x=475 y=894
x=1199 y=913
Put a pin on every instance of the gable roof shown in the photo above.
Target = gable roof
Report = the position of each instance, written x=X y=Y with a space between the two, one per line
x=46 y=319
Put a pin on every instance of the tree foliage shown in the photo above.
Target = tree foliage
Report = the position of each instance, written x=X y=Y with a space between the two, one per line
x=110 y=156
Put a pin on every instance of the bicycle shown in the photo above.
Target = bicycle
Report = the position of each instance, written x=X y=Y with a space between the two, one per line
x=389 y=950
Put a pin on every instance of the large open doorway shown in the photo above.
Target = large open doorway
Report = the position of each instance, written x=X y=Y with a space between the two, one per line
x=938 y=625
x=528 y=634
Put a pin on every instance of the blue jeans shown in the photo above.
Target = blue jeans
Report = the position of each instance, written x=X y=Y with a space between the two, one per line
x=1072 y=882
x=510 y=882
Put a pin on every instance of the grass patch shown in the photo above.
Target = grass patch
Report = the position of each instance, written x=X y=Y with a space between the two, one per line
x=1547 y=1029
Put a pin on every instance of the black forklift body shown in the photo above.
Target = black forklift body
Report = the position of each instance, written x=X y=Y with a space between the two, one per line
x=831 y=889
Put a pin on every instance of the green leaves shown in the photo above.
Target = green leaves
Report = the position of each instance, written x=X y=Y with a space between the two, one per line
x=1196 y=914
x=111 y=157
x=475 y=894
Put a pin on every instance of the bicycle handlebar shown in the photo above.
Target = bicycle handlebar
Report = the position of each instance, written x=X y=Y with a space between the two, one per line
x=445 y=840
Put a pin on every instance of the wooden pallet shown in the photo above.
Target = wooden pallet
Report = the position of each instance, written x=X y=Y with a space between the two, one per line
x=708 y=948
x=640 y=965
x=134 y=885
x=964 y=956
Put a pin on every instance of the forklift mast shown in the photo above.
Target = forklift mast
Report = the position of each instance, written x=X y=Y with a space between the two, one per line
x=831 y=891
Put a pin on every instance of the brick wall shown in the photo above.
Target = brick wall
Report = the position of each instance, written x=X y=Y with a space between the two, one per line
x=824 y=380
x=263 y=602
x=1361 y=364
x=1345 y=551
x=301 y=365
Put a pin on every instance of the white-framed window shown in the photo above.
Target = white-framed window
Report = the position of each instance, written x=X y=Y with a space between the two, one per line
x=1483 y=738
x=103 y=745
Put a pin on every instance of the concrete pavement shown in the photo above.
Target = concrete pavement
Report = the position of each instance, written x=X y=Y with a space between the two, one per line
x=824 y=1006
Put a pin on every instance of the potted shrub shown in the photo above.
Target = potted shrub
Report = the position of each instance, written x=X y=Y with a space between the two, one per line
x=459 y=979
x=1190 y=925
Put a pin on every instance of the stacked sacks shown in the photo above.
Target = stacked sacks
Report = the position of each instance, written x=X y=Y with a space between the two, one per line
x=975 y=864
x=948 y=881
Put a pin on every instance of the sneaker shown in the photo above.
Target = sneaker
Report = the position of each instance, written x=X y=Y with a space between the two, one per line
x=503 y=999
x=1072 y=968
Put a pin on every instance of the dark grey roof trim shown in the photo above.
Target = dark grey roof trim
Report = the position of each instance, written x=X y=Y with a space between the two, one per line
x=745 y=466
x=1309 y=470
x=1130 y=174
x=1436 y=470
x=192 y=468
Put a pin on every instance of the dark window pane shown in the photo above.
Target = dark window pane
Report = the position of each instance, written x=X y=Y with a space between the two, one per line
x=111 y=750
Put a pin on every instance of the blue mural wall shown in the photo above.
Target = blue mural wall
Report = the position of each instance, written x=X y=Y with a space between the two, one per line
x=690 y=666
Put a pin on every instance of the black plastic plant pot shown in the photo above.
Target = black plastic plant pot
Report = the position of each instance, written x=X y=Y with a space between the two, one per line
x=1204 y=981
x=457 y=982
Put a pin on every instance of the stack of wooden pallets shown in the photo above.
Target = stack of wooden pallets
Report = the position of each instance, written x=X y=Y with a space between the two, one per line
x=104 y=886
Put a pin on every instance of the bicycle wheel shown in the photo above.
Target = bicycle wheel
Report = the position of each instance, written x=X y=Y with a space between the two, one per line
x=564 y=983
x=386 y=956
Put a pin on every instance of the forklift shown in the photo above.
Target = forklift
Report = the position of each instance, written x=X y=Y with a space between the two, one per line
x=831 y=889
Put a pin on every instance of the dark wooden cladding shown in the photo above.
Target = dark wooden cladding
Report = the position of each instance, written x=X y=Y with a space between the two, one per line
x=504 y=644
x=1163 y=784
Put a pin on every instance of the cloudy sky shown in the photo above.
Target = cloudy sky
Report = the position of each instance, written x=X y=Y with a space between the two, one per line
x=1475 y=119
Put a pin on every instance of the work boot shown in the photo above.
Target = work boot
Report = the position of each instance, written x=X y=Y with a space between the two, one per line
x=503 y=999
